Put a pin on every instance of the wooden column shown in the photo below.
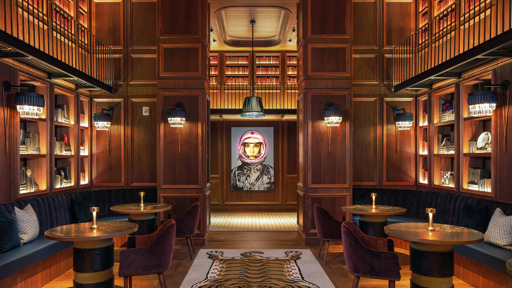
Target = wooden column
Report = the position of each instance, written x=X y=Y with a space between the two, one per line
x=324 y=52
x=183 y=29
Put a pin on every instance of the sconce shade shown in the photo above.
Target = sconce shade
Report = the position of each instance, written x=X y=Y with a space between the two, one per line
x=253 y=107
x=332 y=115
x=29 y=104
x=403 y=120
x=103 y=120
x=482 y=103
x=176 y=116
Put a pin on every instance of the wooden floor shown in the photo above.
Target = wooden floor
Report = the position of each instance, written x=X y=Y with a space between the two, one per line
x=335 y=267
x=253 y=221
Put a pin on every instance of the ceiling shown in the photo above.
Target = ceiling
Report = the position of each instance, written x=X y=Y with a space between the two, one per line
x=274 y=29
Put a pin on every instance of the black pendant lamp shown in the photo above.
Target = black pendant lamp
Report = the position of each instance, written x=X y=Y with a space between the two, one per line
x=253 y=105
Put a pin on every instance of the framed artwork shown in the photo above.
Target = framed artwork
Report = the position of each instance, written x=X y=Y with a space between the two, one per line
x=252 y=158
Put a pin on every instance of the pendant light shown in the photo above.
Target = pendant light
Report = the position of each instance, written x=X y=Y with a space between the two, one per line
x=253 y=105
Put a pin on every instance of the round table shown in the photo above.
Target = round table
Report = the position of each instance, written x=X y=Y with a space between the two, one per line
x=373 y=220
x=93 y=251
x=509 y=266
x=431 y=253
x=144 y=216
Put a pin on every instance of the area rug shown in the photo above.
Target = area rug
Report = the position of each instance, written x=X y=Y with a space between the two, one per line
x=256 y=268
x=253 y=221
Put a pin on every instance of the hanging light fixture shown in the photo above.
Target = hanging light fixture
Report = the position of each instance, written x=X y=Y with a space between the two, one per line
x=403 y=120
x=103 y=120
x=176 y=116
x=253 y=105
x=332 y=115
x=483 y=102
x=28 y=103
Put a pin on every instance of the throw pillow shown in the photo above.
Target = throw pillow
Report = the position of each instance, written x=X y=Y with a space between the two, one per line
x=28 y=225
x=474 y=218
x=80 y=211
x=10 y=238
x=499 y=232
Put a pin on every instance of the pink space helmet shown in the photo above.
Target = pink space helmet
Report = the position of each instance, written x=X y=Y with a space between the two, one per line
x=252 y=137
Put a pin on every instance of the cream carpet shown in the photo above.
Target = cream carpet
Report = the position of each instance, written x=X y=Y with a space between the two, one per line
x=256 y=268
x=253 y=221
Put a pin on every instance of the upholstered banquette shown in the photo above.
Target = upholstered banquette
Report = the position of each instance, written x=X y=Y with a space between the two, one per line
x=56 y=210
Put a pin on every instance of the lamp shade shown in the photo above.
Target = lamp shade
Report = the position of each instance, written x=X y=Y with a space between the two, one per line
x=403 y=120
x=29 y=104
x=482 y=103
x=332 y=115
x=176 y=116
x=103 y=120
x=253 y=107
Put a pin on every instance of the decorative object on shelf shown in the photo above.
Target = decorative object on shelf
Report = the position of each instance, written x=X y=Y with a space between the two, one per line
x=403 y=120
x=483 y=142
x=374 y=195
x=141 y=193
x=176 y=118
x=103 y=120
x=431 y=212
x=253 y=105
x=332 y=118
x=446 y=111
x=447 y=178
x=27 y=182
x=94 y=210
x=479 y=179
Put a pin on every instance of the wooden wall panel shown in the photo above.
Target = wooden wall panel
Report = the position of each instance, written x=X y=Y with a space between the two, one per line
x=336 y=23
x=180 y=169
x=142 y=68
x=301 y=140
x=365 y=68
x=143 y=144
x=328 y=169
x=216 y=161
x=388 y=69
x=365 y=24
x=118 y=68
x=399 y=162
x=504 y=181
x=143 y=24
x=290 y=162
x=108 y=25
x=180 y=18
x=331 y=60
x=396 y=30
x=365 y=141
x=108 y=146
x=7 y=191
x=180 y=60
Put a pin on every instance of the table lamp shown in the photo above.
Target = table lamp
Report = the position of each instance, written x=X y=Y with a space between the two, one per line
x=431 y=212
x=94 y=210
x=141 y=198
x=374 y=195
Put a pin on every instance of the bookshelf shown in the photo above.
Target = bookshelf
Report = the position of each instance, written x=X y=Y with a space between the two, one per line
x=32 y=145
x=236 y=70
x=291 y=70
x=476 y=133
x=267 y=69
x=64 y=139
x=445 y=140
x=423 y=140
x=84 y=144
x=214 y=71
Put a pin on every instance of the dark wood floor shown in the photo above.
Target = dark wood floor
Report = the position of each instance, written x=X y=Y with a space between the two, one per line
x=335 y=267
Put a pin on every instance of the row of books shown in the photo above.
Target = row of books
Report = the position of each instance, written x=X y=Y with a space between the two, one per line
x=446 y=111
x=214 y=59
x=267 y=60
x=236 y=60
x=447 y=178
x=29 y=143
x=446 y=143
x=291 y=59
x=479 y=179
x=62 y=149
x=268 y=70
x=234 y=70
x=424 y=147
x=62 y=113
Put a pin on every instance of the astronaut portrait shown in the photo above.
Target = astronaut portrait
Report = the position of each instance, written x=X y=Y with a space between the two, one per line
x=252 y=168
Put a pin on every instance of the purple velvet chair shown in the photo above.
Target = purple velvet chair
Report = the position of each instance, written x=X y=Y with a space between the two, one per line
x=368 y=256
x=328 y=228
x=152 y=254
x=186 y=225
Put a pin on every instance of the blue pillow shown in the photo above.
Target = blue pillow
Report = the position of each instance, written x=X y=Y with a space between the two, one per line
x=10 y=238
x=80 y=211
x=474 y=218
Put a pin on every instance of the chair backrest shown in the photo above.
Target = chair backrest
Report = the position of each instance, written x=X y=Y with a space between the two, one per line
x=163 y=247
x=186 y=224
x=326 y=226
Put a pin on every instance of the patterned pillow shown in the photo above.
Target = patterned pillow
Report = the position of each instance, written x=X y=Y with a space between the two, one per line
x=28 y=225
x=10 y=238
x=499 y=231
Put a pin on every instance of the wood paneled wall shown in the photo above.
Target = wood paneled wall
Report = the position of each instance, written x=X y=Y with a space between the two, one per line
x=283 y=197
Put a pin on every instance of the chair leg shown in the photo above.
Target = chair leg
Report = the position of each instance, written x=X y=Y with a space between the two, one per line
x=326 y=250
x=189 y=248
x=320 y=250
x=161 y=278
x=126 y=282
x=193 y=247
x=130 y=279
x=356 y=282
x=391 y=283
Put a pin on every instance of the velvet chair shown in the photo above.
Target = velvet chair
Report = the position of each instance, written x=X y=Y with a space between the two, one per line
x=151 y=254
x=186 y=225
x=368 y=256
x=328 y=228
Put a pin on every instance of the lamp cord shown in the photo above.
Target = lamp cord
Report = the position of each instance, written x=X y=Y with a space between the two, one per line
x=6 y=121
x=252 y=58
x=505 y=122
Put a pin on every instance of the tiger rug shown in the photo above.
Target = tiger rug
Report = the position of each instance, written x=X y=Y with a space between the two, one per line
x=253 y=269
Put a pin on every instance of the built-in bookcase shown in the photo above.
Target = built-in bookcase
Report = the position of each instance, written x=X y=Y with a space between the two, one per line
x=85 y=140
x=64 y=140
x=423 y=140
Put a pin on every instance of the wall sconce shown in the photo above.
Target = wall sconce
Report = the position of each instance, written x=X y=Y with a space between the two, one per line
x=28 y=103
x=211 y=30
x=176 y=118
x=403 y=120
x=483 y=102
x=332 y=117
x=103 y=120
x=293 y=30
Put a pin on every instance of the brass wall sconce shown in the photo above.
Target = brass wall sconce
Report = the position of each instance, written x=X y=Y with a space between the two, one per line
x=403 y=120
x=176 y=118
x=332 y=117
